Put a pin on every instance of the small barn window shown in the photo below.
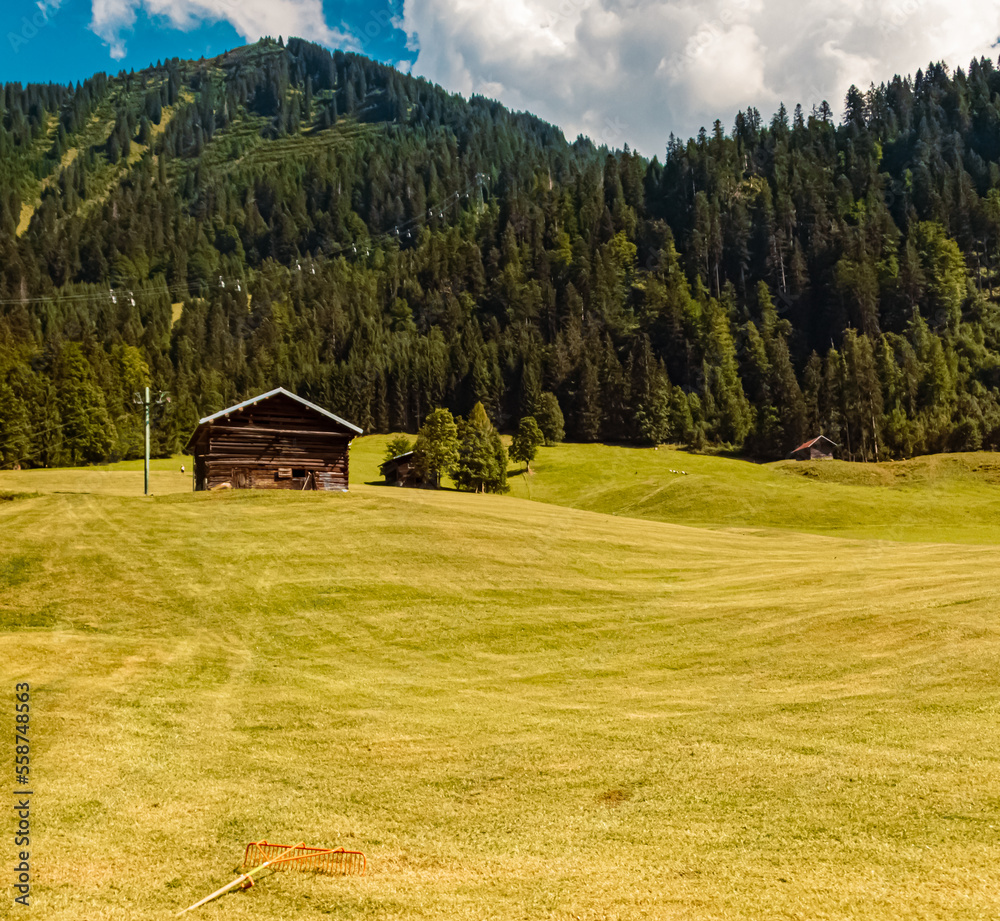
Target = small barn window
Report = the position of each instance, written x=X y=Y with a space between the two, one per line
x=298 y=474
x=284 y=473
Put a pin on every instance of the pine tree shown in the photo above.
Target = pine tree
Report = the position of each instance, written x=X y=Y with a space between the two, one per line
x=732 y=412
x=482 y=457
x=549 y=418
x=15 y=427
x=87 y=431
x=525 y=444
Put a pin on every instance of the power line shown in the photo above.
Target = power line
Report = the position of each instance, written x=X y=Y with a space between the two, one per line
x=24 y=457
x=401 y=231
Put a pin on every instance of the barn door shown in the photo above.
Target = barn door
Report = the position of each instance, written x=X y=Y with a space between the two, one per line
x=242 y=478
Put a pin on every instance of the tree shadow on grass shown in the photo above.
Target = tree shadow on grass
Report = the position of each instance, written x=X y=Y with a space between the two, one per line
x=411 y=488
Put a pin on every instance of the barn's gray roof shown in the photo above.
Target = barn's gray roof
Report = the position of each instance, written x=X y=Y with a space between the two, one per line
x=272 y=393
x=393 y=460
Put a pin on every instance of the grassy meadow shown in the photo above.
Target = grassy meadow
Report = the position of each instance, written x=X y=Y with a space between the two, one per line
x=737 y=692
x=953 y=498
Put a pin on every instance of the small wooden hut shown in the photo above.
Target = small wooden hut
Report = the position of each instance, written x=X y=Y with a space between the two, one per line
x=274 y=441
x=400 y=471
x=819 y=448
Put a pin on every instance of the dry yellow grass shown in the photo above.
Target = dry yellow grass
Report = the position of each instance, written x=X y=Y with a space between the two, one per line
x=517 y=710
x=27 y=213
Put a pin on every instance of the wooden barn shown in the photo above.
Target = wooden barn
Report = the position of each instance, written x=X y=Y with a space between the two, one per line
x=820 y=448
x=400 y=471
x=274 y=441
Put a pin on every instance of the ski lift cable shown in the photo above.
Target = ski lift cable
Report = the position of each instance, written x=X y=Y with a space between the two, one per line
x=183 y=288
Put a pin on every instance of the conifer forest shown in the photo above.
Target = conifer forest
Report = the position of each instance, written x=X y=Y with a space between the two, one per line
x=287 y=216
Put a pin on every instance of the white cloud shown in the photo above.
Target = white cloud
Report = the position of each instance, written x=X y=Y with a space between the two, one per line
x=250 y=18
x=631 y=71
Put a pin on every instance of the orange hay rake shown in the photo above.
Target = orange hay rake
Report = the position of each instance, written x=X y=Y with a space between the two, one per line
x=332 y=861
x=262 y=855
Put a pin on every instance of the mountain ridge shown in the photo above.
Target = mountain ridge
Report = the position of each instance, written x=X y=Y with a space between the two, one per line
x=382 y=246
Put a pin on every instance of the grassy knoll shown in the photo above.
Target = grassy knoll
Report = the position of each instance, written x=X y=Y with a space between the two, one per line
x=517 y=710
x=953 y=498
x=947 y=497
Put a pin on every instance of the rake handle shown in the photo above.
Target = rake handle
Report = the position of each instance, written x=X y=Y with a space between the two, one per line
x=208 y=898
x=237 y=882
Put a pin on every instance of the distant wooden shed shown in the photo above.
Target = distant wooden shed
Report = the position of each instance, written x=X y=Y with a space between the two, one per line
x=400 y=471
x=274 y=441
x=819 y=448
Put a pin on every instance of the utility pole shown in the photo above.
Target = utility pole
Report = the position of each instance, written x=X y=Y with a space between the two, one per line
x=145 y=467
x=145 y=399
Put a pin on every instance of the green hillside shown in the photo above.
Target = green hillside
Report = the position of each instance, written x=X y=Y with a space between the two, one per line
x=943 y=498
x=953 y=498
x=515 y=709
x=284 y=215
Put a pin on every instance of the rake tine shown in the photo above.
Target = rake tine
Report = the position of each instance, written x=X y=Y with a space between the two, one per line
x=335 y=862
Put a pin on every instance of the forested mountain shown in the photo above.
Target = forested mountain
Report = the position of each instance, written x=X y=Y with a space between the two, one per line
x=283 y=215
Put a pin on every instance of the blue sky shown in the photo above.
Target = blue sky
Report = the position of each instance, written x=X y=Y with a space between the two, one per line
x=65 y=48
x=620 y=71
